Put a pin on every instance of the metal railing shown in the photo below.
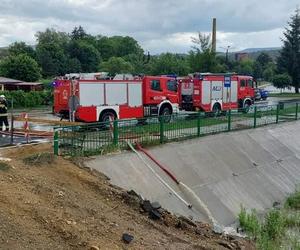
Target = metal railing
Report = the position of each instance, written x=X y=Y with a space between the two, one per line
x=103 y=137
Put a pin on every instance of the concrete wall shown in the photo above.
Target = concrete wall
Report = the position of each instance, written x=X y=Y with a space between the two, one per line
x=253 y=168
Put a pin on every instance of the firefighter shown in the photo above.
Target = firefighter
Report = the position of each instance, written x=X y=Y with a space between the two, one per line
x=3 y=113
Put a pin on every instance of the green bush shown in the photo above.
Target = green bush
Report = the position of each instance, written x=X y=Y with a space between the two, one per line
x=274 y=225
x=249 y=222
x=30 y=99
x=293 y=201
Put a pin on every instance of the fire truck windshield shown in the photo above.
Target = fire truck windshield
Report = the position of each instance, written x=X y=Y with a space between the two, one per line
x=250 y=83
x=172 y=85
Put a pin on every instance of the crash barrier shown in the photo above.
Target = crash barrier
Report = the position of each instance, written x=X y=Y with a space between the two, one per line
x=103 y=137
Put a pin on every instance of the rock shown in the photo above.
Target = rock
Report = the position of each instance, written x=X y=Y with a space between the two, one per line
x=155 y=205
x=181 y=224
x=154 y=215
x=225 y=244
x=69 y=222
x=146 y=206
x=94 y=248
x=217 y=229
x=187 y=220
x=199 y=231
x=127 y=238
x=61 y=193
x=276 y=204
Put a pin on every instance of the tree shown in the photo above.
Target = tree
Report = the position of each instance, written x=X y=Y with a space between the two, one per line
x=169 y=64
x=289 y=59
x=202 y=58
x=78 y=33
x=21 y=67
x=263 y=59
x=21 y=48
x=140 y=62
x=51 y=52
x=269 y=71
x=86 y=54
x=105 y=48
x=116 y=65
x=73 y=65
x=245 y=67
x=263 y=66
x=282 y=80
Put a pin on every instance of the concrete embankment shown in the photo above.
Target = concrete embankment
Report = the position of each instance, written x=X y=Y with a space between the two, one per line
x=253 y=168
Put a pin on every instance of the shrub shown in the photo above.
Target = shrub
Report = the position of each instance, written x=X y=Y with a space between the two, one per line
x=23 y=99
x=293 y=201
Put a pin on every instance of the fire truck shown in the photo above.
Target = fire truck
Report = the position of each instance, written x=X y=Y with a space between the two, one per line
x=216 y=92
x=89 y=99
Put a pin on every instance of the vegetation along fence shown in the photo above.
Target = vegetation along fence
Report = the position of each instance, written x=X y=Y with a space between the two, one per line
x=100 y=138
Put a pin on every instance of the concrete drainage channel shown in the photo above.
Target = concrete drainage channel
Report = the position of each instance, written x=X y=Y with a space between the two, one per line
x=253 y=168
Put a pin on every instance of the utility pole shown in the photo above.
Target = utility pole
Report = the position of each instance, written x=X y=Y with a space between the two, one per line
x=227 y=49
x=226 y=53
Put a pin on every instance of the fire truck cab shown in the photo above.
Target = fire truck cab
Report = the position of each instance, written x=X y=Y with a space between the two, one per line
x=216 y=92
x=100 y=100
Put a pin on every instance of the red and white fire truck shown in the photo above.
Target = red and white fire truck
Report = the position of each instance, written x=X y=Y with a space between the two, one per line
x=100 y=100
x=216 y=92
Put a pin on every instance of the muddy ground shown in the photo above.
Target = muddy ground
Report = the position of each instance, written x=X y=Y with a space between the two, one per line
x=48 y=202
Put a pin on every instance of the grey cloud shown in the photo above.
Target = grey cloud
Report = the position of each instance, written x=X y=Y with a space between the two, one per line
x=150 y=20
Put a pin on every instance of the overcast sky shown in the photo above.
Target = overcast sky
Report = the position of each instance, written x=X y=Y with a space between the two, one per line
x=158 y=25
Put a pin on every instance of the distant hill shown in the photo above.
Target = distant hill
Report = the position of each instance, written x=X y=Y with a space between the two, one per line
x=253 y=53
x=254 y=50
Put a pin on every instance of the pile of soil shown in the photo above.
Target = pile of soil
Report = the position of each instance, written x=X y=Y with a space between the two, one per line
x=58 y=204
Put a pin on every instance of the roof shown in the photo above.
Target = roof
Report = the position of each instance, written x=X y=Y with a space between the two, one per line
x=28 y=83
x=4 y=80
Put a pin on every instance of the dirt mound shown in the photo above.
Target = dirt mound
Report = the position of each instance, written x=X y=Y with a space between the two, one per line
x=64 y=206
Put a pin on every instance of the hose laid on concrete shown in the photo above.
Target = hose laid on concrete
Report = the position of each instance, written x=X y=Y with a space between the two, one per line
x=197 y=203
x=158 y=177
x=158 y=163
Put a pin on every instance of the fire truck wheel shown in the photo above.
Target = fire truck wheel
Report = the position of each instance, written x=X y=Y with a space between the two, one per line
x=216 y=109
x=107 y=116
x=166 y=114
x=246 y=106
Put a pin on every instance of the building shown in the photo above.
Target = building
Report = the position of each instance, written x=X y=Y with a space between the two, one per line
x=12 y=84
x=241 y=56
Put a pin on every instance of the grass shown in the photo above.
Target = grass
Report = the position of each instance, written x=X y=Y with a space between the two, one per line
x=284 y=95
x=39 y=159
x=278 y=229
x=4 y=166
x=293 y=201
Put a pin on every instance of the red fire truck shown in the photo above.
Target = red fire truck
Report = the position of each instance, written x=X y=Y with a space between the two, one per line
x=100 y=100
x=216 y=92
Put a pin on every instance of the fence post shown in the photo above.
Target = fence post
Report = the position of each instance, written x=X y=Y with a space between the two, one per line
x=277 y=113
x=12 y=130
x=161 y=130
x=296 y=115
x=55 y=145
x=116 y=133
x=255 y=116
x=229 y=119
x=199 y=124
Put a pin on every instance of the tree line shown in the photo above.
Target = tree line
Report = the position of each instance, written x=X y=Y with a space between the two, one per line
x=57 y=53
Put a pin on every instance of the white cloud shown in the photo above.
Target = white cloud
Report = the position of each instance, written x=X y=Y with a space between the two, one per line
x=158 y=25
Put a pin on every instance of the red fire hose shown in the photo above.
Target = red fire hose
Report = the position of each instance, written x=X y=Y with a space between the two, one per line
x=158 y=163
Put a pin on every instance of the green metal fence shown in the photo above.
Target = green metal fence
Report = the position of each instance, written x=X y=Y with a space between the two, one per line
x=99 y=138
